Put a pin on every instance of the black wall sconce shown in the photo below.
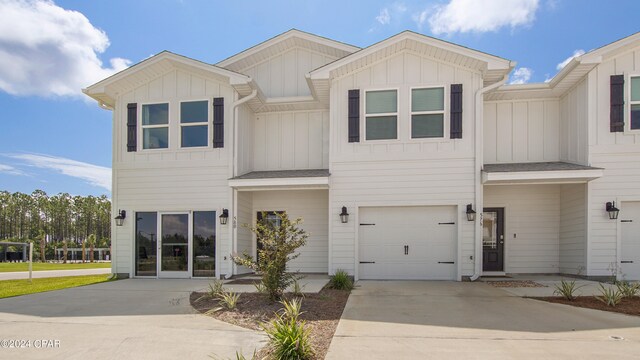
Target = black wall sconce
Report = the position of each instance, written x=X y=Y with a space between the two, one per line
x=612 y=210
x=224 y=217
x=471 y=214
x=120 y=218
x=344 y=215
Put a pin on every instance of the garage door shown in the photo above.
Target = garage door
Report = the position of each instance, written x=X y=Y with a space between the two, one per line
x=417 y=243
x=630 y=251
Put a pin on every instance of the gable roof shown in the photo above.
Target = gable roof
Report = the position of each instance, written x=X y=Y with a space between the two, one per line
x=106 y=90
x=280 y=43
x=493 y=67
x=569 y=76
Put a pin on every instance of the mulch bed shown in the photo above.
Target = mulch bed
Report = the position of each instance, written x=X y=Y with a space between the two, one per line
x=244 y=282
x=515 y=284
x=629 y=306
x=321 y=312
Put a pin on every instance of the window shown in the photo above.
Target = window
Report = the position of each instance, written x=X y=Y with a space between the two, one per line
x=634 y=121
x=427 y=113
x=194 y=120
x=146 y=243
x=381 y=119
x=204 y=243
x=155 y=126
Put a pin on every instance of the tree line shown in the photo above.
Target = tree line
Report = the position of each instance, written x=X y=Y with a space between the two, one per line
x=55 y=219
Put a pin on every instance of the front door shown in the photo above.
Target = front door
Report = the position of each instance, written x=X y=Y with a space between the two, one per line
x=174 y=245
x=493 y=239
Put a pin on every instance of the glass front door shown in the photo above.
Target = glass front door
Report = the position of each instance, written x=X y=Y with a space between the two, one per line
x=174 y=245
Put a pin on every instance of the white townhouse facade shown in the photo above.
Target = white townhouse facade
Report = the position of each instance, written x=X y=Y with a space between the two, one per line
x=445 y=171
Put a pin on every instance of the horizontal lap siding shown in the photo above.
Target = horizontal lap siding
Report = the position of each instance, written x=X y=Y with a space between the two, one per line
x=402 y=183
x=532 y=212
x=618 y=153
x=245 y=236
x=573 y=229
x=312 y=207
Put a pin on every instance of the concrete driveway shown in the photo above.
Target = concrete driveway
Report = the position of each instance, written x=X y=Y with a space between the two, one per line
x=451 y=320
x=125 y=319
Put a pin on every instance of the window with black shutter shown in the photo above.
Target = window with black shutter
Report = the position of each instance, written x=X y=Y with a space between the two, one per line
x=132 y=127
x=616 y=116
x=354 y=115
x=218 y=122
x=456 y=111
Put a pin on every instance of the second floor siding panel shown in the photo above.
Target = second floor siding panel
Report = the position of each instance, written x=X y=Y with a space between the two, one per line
x=521 y=131
x=574 y=125
x=291 y=140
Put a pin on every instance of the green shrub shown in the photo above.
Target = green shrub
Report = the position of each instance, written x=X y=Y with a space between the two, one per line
x=567 y=289
x=610 y=296
x=288 y=337
x=214 y=292
x=227 y=300
x=341 y=281
x=627 y=289
x=279 y=243
x=297 y=289
x=260 y=288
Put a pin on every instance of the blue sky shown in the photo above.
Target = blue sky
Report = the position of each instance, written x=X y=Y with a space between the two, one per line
x=54 y=138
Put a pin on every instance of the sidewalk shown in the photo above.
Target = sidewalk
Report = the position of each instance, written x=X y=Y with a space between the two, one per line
x=52 y=273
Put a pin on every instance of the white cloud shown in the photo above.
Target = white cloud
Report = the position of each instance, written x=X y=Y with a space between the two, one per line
x=521 y=76
x=10 y=170
x=95 y=175
x=477 y=16
x=576 y=53
x=46 y=50
x=384 y=18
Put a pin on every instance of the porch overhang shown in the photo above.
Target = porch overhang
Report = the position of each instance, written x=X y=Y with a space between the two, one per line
x=314 y=179
x=539 y=173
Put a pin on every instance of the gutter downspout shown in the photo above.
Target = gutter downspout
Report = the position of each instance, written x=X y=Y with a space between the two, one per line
x=479 y=160
x=234 y=166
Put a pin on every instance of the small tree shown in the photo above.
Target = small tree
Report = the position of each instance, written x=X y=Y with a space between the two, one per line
x=91 y=241
x=278 y=246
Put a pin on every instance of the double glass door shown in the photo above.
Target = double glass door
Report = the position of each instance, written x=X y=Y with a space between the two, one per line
x=175 y=244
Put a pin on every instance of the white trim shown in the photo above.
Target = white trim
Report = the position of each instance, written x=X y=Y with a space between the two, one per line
x=445 y=107
x=363 y=105
x=321 y=182
x=208 y=123
x=541 y=177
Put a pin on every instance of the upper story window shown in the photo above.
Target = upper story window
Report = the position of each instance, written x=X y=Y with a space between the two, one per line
x=634 y=122
x=427 y=113
x=155 y=126
x=381 y=115
x=194 y=123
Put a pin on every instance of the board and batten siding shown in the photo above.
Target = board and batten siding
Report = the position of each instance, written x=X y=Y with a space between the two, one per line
x=245 y=138
x=172 y=179
x=573 y=130
x=283 y=75
x=532 y=226
x=291 y=140
x=312 y=207
x=618 y=153
x=573 y=229
x=402 y=172
x=521 y=131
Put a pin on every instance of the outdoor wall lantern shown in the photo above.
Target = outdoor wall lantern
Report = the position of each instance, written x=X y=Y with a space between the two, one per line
x=612 y=210
x=471 y=214
x=224 y=217
x=344 y=215
x=120 y=218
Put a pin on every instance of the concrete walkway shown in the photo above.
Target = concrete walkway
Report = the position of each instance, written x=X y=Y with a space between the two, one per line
x=52 y=273
x=456 y=320
x=549 y=282
x=125 y=319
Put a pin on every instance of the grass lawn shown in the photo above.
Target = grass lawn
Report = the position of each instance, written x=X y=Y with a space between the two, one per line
x=9 y=288
x=10 y=267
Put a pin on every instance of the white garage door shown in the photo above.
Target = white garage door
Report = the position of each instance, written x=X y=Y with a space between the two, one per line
x=630 y=251
x=417 y=243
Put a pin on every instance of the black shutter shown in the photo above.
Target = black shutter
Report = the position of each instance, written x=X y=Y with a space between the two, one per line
x=354 y=115
x=132 y=127
x=218 y=122
x=616 y=116
x=456 y=111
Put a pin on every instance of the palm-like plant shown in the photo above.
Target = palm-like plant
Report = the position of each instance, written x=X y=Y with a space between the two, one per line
x=91 y=241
